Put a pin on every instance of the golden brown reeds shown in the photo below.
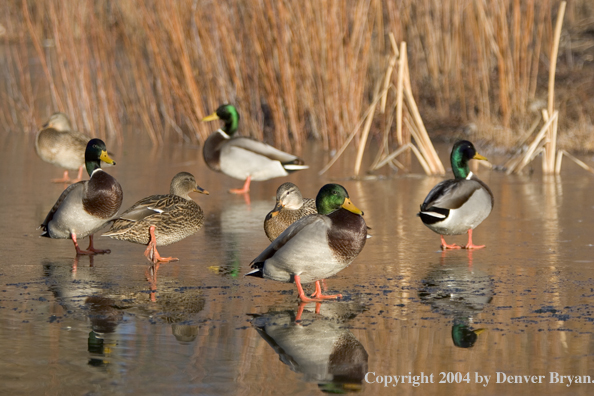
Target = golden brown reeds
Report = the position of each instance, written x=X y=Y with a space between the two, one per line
x=294 y=69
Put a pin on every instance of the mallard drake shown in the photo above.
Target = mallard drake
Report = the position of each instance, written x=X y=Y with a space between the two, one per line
x=86 y=206
x=160 y=220
x=317 y=246
x=244 y=158
x=458 y=205
x=290 y=207
x=58 y=144
x=316 y=345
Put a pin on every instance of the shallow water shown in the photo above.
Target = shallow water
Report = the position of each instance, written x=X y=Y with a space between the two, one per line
x=94 y=326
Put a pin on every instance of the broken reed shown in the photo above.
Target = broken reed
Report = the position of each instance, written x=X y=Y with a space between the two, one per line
x=294 y=69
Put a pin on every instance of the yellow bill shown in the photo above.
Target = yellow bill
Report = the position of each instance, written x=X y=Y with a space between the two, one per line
x=479 y=157
x=348 y=205
x=211 y=117
x=105 y=158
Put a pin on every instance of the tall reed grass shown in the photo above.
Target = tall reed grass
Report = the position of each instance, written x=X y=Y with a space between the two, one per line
x=295 y=70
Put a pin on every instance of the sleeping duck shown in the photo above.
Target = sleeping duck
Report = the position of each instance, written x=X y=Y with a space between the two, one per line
x=290 y=207
x=242 y=157
x=86 y=206
x=458 y=205
x=317 y=246
x=160 y=220
x=58 y=144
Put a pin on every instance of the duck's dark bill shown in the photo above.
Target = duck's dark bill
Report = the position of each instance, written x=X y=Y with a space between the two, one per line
x=201 y=190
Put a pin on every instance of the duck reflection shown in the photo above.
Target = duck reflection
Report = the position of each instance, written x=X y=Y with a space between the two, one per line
x=460 y=291
x=230 y=229
x=313 y=341
x=69 y=285
x=105 y=317
x=175 y=304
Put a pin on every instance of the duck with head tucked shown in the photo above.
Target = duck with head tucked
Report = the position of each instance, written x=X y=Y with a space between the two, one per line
x=160 y=220
x=290 y=207
x=316 y=246
x=242 y=157
x=58 y=144
x=85 y=207
x=458 y=205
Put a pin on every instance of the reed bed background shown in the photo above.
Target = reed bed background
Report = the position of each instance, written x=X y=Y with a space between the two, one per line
x=295 y=70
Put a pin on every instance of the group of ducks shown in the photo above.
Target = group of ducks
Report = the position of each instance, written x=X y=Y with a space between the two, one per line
x=311 y=240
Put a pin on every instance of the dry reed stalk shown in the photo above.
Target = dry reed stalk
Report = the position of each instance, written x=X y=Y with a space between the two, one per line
x=514 y=161
x=384 y=149
x=392 y=156
x=400 y=92
x=527 y=157
x=424 y=141
x=367 y=114
x=298 y=69
x=560 y=155
x=41 y=55
x=548 y=164
x=366 y=129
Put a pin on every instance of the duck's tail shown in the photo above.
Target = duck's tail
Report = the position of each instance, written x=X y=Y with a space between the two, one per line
x=257 y=272
x=295 y=165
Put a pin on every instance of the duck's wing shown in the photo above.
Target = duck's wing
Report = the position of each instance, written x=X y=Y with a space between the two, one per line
x=302 y=225
x=149 y=206
x=309 y=206
x=78 y=139
x=143 y=209
x=68 y=190
x=265 y=150
x=450 y=194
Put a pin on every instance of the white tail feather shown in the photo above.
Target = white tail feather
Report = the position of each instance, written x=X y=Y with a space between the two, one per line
x=295 y=167
x=435 y=214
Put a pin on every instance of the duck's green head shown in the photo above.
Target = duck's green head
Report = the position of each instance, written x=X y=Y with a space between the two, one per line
x=463 y=336
x=462 y=152
x=333 y=197
x=229 y=115
x=95 y=153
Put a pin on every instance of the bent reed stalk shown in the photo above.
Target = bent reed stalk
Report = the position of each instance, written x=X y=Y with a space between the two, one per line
x=294 y=70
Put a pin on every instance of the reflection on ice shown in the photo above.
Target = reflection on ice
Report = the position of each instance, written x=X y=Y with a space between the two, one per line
x=318 y=346
x=460 y=291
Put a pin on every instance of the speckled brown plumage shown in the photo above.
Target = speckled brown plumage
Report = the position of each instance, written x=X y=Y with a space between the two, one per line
x=175 y=216
x=274 y=225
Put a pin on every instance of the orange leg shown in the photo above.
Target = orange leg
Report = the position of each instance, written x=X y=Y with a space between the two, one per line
x=151 y=252
x=318 y=293
x=151 y=277
x=79 y=176
x=64 y=179
x=245 y=189
x=90 y=250
x=471 y=245
x=445 y=246
x=302 y=306
x=301 y=293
